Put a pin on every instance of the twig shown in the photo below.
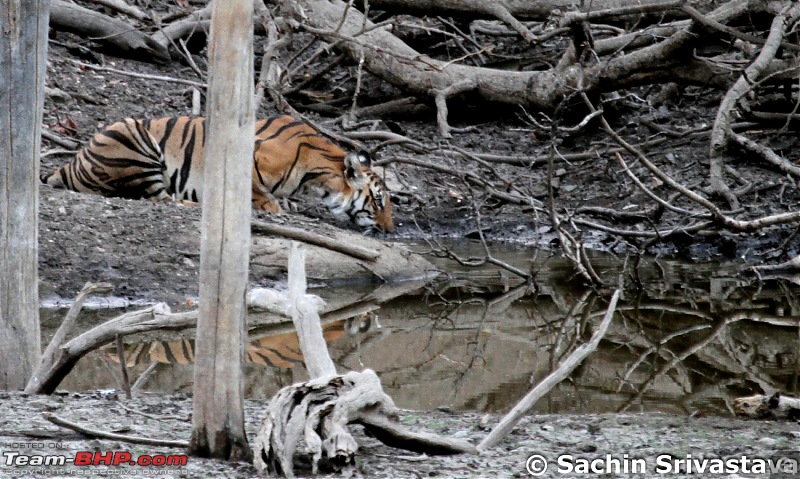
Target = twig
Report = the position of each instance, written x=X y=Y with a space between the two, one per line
x=716 y=213
x=564 y=369
x=144 y=377
x=197 y=106
x=188 y=56
x=126 y=381
x=711 y=23
x=441 y=95
x=68 y=144
x=122 y=7
x=315 y=239
x=58 y=421
x=359 y=74
x=766 y=153
x=153 y=416
x=57 y=152
x=140 y=75
x=649 y=193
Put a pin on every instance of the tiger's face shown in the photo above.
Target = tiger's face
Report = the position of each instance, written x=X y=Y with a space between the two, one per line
x=370 y=205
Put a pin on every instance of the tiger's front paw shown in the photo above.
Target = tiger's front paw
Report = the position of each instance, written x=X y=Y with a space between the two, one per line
x=267 y=204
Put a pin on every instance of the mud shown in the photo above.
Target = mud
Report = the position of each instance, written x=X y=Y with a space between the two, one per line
x=651 y=437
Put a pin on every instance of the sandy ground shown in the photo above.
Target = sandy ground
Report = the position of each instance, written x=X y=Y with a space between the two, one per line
x=660 y=440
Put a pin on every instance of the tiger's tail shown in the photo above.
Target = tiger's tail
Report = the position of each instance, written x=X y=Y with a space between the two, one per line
x=54 y=178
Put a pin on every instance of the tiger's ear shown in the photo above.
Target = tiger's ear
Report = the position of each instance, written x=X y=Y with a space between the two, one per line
x=365 y=159
x=352 y=171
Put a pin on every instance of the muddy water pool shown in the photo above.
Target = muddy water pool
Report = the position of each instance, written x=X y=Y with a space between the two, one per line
x=686 y=338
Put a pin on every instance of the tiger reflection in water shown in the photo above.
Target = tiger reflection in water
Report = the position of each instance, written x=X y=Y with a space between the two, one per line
x=280 y=350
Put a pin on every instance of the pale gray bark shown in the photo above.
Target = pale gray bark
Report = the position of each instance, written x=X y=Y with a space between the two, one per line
x=218 y=417
x=23 y=56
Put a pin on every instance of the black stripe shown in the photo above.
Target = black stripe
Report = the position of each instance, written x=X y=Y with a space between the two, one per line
x=170 y=125
x=285 y=127
x=186 y=167
x=124 y=140
x=258 y=171
x=306 y=178
x=168 y=353
x=288 y=172
x=267 y=124
x=172 y=180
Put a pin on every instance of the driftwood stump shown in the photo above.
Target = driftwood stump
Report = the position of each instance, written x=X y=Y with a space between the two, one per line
x=318 y=411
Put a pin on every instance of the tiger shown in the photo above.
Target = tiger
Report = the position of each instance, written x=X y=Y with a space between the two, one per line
x=277 y=350
x=162 y=159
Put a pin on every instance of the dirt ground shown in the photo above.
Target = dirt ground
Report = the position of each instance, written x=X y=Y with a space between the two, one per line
x=149 y=252
x=651 y=437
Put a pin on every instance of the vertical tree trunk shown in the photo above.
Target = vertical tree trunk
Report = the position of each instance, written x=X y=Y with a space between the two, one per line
x=23 y=55
x=218 y=418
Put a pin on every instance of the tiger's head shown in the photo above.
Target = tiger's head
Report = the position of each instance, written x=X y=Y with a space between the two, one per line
x=364 y=198
x=292 y=157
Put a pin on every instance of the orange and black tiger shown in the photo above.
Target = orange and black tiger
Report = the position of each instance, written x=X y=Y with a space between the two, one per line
x=162 y=159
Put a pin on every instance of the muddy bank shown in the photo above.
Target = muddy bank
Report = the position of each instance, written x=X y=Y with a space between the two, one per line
x=645 y=436
x=152 y=251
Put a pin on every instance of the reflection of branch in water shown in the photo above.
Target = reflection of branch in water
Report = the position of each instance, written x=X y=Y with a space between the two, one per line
x=547 y=384
x=661 y=342
x=491 y=307
x=668 y=366
x=584 y=305
x=694 y=348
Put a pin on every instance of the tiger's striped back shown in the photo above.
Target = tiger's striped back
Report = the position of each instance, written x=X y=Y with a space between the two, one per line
x=162 y=159
x=292 y=157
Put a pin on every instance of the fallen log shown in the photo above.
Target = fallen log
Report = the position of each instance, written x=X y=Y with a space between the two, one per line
x=121 y=36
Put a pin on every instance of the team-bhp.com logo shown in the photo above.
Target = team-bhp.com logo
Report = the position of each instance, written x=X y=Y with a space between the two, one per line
x=94 y=458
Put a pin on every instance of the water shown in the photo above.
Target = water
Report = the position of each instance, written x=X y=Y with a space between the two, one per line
x=691 y=339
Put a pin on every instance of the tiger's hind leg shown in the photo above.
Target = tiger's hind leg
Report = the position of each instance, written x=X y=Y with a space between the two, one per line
x=266 y=201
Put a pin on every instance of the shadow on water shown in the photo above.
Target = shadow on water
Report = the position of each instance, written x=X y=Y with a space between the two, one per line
x=689 y=340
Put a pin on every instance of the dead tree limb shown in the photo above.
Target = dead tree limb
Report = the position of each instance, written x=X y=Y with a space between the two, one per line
x=393 y=434
x=196 y=21
x=720 y=133
x=391 y=59
x=305 y=316
x=123 y=37
x=355 y=251
x=49 y=355
x=563 y=370
x=154 y=317
x=521 y=9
